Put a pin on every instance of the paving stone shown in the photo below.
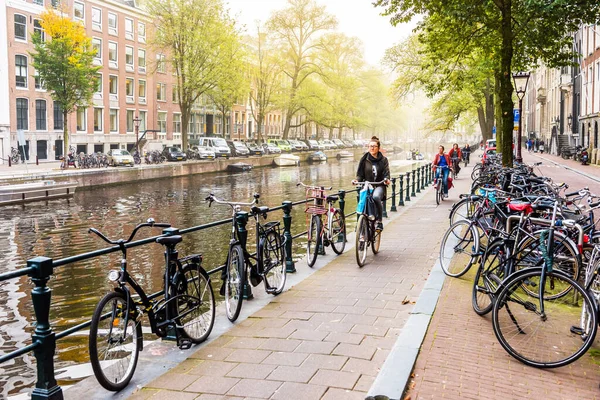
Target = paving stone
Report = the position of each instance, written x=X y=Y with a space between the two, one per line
x=212 y=353
x=339 y=394
x=213 y=368
x=325 y=361
x=335 y=327
x=245 y=343
x=285 y=358
x=248 y=356
x=257 y=388
x=252 y=371
x=281 y=333
x=313 y=347
x=299 y=391
x=369 y=330
x=340 y=379
x=364 y=383
x=351 y=338
x=306 y=334
x=293 y=374
x=276 y=344
x=355 y=351
x=212 y=384
x=173 y=395
x=363 y=367
x=172 y=381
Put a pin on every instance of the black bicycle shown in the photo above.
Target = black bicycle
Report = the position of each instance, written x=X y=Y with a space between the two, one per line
x=184 y=308
x=367 y=233
x=267 y=264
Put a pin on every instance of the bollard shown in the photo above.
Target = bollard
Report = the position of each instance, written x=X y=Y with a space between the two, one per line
x=407 y=187
x=287 y=234
x=393 y=208
x=241 y=218
x=9 y=161
x=430 y=173
x=46 y=386
x=413 y=184
x=418 y=180
x=37 y=161
x=401 y=191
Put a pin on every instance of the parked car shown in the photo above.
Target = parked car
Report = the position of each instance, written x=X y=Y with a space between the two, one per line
x=218 y=145
x=174 y=154
x=314 y=145
x=271 y=148
x=284 y=145
x=204 y=153
x=255 y=150
x=303 y=146
x=295 y=145
x=238 y=148
x=119 y=157
x=329 y=145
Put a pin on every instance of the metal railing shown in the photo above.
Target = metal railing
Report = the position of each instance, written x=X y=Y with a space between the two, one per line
x=40 y=269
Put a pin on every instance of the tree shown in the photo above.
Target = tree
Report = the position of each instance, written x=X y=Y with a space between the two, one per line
x=63 y=60
x=265 y=76
x=197 y=37
x=526 y=31
x=296 y=28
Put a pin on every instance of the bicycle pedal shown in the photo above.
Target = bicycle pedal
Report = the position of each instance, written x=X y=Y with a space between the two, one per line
x=184 y=343
x=577 y=330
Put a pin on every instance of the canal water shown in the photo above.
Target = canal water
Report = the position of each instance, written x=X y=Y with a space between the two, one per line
x=59 y=229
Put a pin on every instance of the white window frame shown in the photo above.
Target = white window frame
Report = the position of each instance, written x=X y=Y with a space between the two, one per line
x=113 y=63
x=100 y=94
x=130 y=67
x=130 y=111
x=42 y=32
x=161 y=64
x=97 y=25
x=26 y=72
x=143 y=120
x=158 y=121
x=15 y=22
x=110 y=127
x=37 y=79
x=17 y=113
x=113 y=96
x=113 y=30
x=100 y=129
x=142 y=100
x=75 y=4
x=98 y=56
x=178 y=122
x=142 y=68
x=130 y=98
x=141 y=38
x=84 y=110
x=45 y=116
x=163 y=92
x=129 y=34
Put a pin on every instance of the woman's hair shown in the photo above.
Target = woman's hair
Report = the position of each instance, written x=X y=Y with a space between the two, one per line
x=376 y=140
x=455 y=144
x=443 y=148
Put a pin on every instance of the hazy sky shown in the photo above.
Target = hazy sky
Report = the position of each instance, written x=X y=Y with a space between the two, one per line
x=355 y=18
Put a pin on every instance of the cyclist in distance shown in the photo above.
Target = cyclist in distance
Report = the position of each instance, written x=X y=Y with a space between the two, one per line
x=441 y=166
x=455 y=156
x=374 y=167
x=466 y=153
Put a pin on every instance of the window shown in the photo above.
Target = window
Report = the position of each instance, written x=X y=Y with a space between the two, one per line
x=128 y=28
x=22 y=114
x=114 y=120
x=97 y=19
x=112 y=24
x=39 y=84
x=162 y=122
x=55 y=3
x=129 y=58
x=38 y=2
x=37 y=29
x=40 y=115
x=175 y=94
x=21 y=70
x=113 y=84
x=141 y=32
x=81 y=124
x=78 y=11
x=130 y=120
x=58 y=116
x=97 y=45
x=142 y=121
x=98 y=120
x=20 y=27
x=142 y=60
x=99 y=84
x=129 y=90
x=160 y=63
x=142 y=91
x=112 y=54
x=161 y=94
x=176 y=123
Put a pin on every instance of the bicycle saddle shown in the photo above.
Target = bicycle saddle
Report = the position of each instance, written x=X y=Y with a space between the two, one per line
x=332 y=197
x=259 y=210
x=169 y=240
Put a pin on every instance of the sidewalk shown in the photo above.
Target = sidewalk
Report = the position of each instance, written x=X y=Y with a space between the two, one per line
x=461 y=359
x=327 y=337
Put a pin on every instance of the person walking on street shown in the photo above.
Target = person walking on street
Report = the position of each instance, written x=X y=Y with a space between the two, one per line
x=441 y=167
x=375 y=167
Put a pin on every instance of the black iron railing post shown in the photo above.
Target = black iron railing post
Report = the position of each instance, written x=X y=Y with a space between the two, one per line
x=287 y=234
x=393 y=207
x=46 y=386
x=418 y=179
x=413 y=194
x=241 y=221
x=430 y=173
x=422 y=180
x=401 y=191
x=407 y=187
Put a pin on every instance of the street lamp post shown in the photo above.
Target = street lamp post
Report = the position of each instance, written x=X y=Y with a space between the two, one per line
x=521 y=79
x=137 y=121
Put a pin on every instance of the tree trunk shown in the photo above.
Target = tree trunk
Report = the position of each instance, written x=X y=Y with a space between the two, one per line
x=506 y=88
x=65 y=139
x=288 y=122
x=330 y=134
x=185 y=121
x=482 y=123
x=498 y=108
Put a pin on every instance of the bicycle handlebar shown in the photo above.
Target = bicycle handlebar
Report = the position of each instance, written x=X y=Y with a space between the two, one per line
x=211 y=197
x=149 y=223
x=314 y=187
x=369 y=183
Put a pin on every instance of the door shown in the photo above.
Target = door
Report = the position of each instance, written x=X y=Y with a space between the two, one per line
x=114 y=146
x=42 y=149
x=98 y=148
x=81 y=148
x=24 y=151
x=58 y=149
x=209 y=124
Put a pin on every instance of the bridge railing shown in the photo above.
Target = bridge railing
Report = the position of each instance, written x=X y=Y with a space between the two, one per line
x=40 y=269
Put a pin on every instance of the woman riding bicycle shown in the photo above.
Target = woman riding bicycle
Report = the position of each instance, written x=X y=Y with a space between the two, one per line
x=441 y=166
x=374 y=167
x=455 y=156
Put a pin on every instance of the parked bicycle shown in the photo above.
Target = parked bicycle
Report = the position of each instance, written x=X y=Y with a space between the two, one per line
x=267 y=264
x=322 y=233
x=185 y=307
x=15 y=156
x=367 y=234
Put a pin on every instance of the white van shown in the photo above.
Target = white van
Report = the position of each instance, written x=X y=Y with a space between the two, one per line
x=218 y=145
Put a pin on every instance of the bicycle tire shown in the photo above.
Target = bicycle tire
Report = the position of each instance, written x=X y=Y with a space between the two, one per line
x=488 y=278
x=195 y=304
x=338 y=232
x=113 y=375
x=438 y=191
x=362 y=241
x=235 y=278
x=559 y=344
x=459 y=248
x=476 y=171
x=463 y=210
x=314 y=240
x=273 y=262
x=376 y=239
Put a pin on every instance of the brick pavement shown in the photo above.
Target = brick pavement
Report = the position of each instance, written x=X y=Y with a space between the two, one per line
x=327 y=337
x=461 y=359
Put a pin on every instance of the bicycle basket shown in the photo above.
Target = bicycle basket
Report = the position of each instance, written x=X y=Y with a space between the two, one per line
x=316 y=201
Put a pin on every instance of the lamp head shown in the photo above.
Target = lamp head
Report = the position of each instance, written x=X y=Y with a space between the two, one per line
x=521 y=79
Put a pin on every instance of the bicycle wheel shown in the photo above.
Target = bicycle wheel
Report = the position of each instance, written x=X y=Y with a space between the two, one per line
x=438 y=191
x=463 y=210
x=113 y=342
x=273 y=262
x=362 y=240
x=338 y=231
x=314 y=240
x=549 y=339
x=488 y=278
x=195 y=304
x=476 y=171
x=234 y=286
x=376 y=239
x=459 y=248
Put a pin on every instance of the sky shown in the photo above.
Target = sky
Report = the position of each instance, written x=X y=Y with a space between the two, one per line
x=356 y=18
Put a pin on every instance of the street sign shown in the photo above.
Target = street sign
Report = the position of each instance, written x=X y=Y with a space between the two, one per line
x=21 y=137
x=516 y=118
